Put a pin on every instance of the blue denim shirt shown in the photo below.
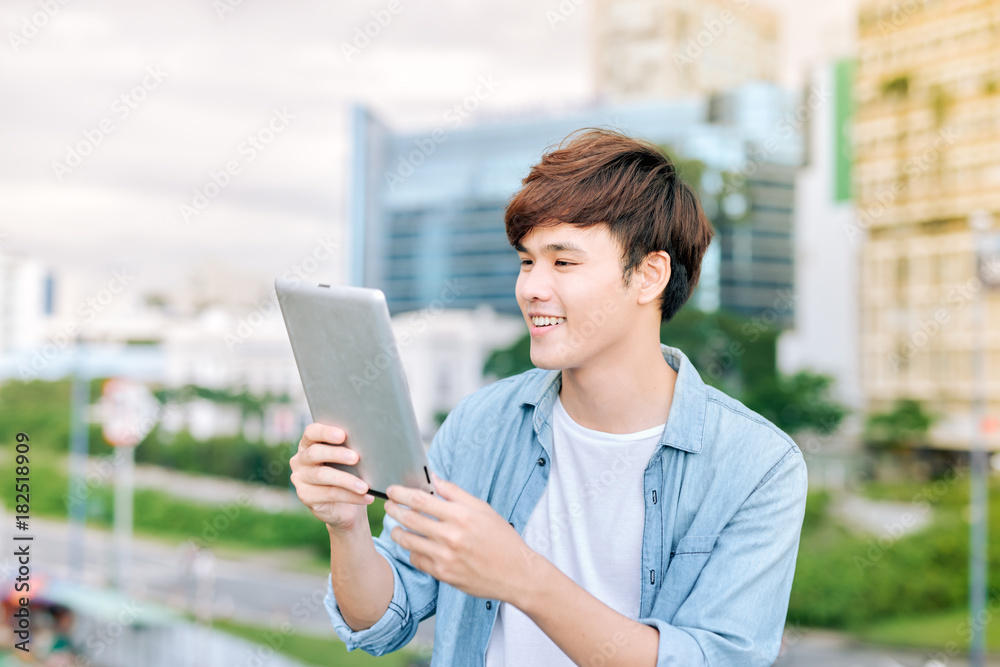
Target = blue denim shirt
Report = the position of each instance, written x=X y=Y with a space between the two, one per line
x=725 y=495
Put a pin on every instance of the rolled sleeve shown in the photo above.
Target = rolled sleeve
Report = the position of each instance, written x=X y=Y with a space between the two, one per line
x=380 y=638
x=677 y=647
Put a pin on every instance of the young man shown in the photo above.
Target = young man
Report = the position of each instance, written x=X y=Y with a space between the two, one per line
x=607 y=507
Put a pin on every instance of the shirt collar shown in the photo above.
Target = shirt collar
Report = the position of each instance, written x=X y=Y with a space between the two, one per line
x=685 y=423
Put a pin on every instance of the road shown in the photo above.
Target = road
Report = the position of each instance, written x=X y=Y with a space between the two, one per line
x=815 y=648
x=263 y=588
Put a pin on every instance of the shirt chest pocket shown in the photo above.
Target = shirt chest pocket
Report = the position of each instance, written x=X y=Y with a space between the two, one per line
x=686 y=563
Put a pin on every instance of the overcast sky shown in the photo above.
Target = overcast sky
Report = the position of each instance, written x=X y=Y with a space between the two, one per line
x=161 y=95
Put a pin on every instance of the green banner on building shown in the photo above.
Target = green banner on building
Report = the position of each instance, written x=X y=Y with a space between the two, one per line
x=843 y=118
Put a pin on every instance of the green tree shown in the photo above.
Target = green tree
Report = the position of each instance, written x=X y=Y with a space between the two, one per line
x=508 y=361
x=797 y=402
x=904 y=425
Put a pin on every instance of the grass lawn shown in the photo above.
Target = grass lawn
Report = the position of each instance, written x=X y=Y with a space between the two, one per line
x=322 y=651
x=933 y=631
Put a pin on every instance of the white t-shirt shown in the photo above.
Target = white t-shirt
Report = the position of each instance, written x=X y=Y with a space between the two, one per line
x=588 y=523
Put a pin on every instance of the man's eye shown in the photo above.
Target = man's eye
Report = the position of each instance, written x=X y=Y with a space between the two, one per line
x=559 y=261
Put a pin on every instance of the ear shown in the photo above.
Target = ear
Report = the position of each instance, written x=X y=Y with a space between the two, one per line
x=655 y=276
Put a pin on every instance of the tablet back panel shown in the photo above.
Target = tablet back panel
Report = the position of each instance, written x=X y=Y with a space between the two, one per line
x=353 y=378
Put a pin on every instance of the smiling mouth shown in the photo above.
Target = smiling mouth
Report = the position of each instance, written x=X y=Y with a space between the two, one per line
x=546 y=327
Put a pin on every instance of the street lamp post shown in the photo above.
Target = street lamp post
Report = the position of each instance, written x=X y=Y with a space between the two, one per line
x=79 y=446
x=980 y=222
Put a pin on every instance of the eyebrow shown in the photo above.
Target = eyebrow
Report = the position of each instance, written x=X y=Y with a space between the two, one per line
x=564 y=246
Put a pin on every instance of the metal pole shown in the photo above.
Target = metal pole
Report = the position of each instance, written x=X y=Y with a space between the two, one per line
x=124 y=473
x=979 y=222
x=79 y=446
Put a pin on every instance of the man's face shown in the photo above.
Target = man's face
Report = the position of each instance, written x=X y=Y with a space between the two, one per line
x=583 y=286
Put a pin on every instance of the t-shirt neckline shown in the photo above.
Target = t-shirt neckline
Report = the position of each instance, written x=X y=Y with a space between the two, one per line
x=601 y=435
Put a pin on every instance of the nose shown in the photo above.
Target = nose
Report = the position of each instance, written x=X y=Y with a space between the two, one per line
x=534 y=285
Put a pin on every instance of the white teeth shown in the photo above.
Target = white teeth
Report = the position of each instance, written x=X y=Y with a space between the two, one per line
x=544 y=321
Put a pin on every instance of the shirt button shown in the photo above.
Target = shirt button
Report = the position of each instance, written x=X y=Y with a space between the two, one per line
x=489 y=605
x=541 y=461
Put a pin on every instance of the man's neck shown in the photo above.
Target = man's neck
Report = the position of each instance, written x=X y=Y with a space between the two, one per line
x=627 y=395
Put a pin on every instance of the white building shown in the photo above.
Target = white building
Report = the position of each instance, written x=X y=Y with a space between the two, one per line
x=445 y=358
x=25 y=302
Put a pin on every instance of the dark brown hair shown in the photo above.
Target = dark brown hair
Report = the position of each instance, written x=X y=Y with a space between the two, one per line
x=605 y=177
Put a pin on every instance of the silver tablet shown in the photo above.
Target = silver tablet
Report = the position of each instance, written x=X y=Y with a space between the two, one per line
x=348 y=360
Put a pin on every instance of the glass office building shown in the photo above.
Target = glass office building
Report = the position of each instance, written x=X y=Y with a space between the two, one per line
x=426 y=212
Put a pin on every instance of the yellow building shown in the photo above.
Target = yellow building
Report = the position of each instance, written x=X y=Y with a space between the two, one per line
x=681 y=48
x=927 y=156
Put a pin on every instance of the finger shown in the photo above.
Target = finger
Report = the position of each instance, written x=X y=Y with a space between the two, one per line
x=413 y=520
x=420 y=500
x=326 y=476
x=311 y=496
x=317 y=432
x=451 y=491
x=321 y=452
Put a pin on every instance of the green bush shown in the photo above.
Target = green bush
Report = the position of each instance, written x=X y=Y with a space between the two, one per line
x=254 y=462
x=817 y=504
x=158 y=513
x=843 y=580
x=40 y=409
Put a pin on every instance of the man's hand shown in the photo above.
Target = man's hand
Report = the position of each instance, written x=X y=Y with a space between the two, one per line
x=466 y=544
x=463 y=542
